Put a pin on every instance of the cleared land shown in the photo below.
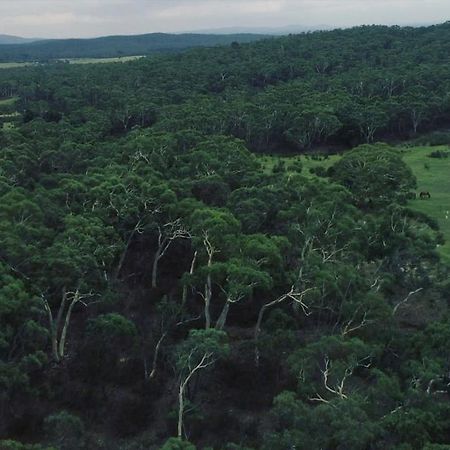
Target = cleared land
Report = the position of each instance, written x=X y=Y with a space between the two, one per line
x=100 y=60
x=6 y=116
x=270 y=163
x=8 y=101
x=433 y=175
x=8 y=126
x=13 y=65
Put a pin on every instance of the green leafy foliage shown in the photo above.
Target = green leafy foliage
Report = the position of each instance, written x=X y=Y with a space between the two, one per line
x=157 y=280
x=177 y=444
x=375 y=175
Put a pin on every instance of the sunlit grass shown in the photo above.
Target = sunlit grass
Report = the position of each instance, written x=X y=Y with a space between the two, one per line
x=433 y=175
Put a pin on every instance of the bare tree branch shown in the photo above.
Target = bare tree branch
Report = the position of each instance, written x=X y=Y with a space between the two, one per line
x=293 y=295
x=405 y=300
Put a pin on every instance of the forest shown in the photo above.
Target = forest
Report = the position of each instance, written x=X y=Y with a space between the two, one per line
x=162 y=288
x=50 y=50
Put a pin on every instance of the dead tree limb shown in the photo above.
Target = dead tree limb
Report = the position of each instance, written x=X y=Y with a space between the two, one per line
x=293 y=295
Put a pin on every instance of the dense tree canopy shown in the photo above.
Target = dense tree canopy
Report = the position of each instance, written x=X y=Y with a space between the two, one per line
x=160 y=289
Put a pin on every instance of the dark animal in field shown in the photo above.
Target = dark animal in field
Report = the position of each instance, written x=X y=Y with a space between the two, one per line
x=425 y=194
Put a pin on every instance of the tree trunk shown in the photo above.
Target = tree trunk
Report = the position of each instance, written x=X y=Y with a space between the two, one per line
x=191 y=272
x=155 y=268
x=180 y=410
x=155 y=356
x=62 y=340
x=208 y=285
x=220 y=324
x=208 y=294
x=125 y=251
x=54 y=338
x=258 y=331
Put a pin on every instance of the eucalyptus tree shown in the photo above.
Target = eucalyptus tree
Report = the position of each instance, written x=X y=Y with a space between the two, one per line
x=375 y=175
x=77 y=267
x=201 y=350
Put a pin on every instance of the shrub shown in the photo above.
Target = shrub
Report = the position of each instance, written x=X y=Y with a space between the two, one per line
x=439 y=154
x=177 y=444
x=433 y=139
x=319 y=171
x=65 y=431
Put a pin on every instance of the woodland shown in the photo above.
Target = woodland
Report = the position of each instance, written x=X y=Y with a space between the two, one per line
x=48 y=50
x=160 y=290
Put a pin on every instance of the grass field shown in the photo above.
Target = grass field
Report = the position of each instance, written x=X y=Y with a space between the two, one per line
x=269 y=162
x=13 y=65
x=102 y=60
x=433 y=175
x=8 y=101
x=8 y=125
x=6 y=116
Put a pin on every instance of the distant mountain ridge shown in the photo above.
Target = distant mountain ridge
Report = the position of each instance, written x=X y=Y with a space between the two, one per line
x=8 y=39
x=275 y=31
x=115 y=46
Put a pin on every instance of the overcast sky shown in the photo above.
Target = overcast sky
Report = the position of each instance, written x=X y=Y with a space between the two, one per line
x=86 y=18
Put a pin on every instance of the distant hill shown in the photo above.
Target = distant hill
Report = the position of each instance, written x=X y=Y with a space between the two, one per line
x=275 y=31
x=8 y=39
x=113 y=46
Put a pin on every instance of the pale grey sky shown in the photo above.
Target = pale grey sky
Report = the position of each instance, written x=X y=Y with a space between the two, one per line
x=86 y=18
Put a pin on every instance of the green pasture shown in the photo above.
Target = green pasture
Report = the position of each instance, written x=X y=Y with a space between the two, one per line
x=8 y=126
x=433 y=175
x=8 y=101
x=100 y=60
x=14 y=65
x=6 y=116
x=269 y=162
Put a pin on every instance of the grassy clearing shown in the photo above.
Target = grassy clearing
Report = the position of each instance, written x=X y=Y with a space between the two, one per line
x=8 y=126
x=8 y=101
x=433 y=175
x=13 y=65
x=100 y=60
x=307 y=162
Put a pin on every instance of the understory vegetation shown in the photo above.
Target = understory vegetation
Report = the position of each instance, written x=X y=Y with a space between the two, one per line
x=165 y=284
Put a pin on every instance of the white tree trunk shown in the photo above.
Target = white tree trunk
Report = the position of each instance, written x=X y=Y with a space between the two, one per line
x=155 y=268
x=221 y=321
